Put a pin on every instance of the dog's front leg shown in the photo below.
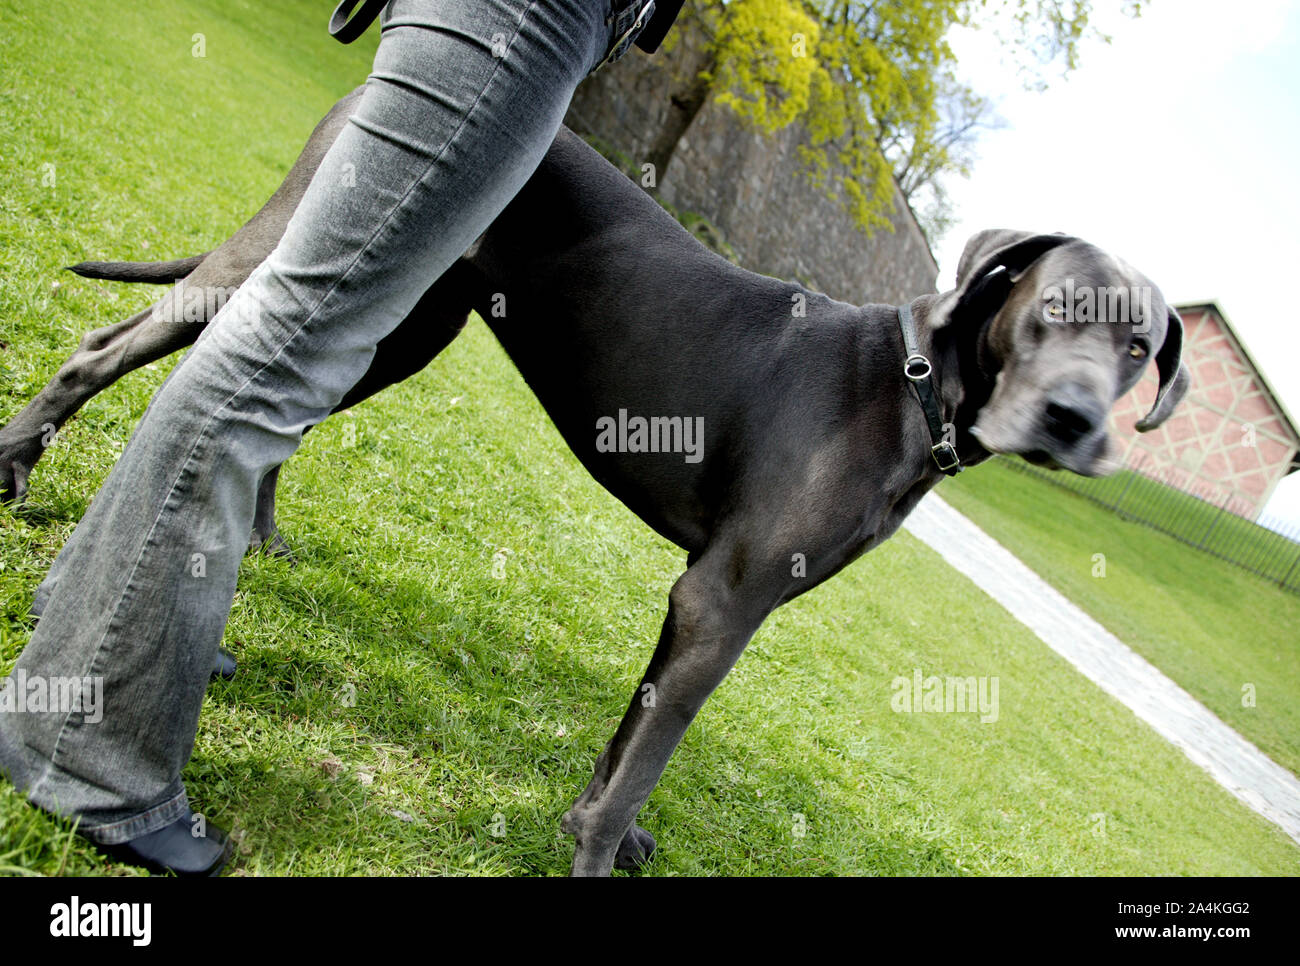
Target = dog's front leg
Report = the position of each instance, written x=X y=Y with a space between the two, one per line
x=709 y=623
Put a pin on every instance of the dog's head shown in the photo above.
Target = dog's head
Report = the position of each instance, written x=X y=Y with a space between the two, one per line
x=1067 y=330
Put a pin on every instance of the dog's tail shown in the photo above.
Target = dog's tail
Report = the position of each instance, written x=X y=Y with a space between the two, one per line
x=155 y=273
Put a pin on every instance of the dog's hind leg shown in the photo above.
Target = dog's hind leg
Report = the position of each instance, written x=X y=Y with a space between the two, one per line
x=266 y=537
x=103 y=356
x=172 y=323
x=430 y=327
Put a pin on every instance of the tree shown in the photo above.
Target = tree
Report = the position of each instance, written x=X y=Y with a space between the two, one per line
x=872 y=81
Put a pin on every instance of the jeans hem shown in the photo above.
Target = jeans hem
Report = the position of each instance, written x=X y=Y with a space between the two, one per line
x=158 y=817
x=18 y=762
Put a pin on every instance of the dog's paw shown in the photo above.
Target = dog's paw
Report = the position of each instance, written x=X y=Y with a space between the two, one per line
x=635 y=850
x=272 y=545
x=14 y=472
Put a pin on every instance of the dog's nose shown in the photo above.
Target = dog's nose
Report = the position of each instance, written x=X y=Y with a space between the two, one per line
x=1072 y=413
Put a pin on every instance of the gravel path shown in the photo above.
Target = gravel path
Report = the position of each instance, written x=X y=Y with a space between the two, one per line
x=1233 y=761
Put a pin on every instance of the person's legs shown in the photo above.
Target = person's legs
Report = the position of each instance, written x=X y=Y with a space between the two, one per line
x=464 y=100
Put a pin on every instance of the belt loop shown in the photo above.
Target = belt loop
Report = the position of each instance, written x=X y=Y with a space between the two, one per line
x=344 y=30
x=621 y=45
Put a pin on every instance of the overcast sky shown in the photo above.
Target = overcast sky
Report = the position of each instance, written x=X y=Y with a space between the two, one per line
x=1176 y=147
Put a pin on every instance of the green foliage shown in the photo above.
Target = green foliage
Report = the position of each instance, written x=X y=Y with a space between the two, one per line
x=873 y=82
x=767 y=71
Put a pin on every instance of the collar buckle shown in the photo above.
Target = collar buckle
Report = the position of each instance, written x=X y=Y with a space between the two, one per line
x=920 y=373
x=945 y=457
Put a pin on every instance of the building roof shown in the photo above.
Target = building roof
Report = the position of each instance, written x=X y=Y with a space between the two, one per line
x=1238 y=344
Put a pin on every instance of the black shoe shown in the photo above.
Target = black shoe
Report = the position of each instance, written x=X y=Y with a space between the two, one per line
x=175 y=848
x=226 y=666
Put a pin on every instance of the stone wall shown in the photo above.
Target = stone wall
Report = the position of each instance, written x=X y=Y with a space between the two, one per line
x=753 y=189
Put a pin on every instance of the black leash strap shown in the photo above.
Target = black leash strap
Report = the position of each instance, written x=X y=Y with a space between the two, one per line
x=344 y=30
x=920 y=375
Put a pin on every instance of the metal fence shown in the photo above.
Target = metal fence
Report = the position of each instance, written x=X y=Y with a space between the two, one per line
x=1210 y=526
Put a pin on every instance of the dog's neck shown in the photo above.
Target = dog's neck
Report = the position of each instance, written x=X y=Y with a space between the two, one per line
x=964 y=371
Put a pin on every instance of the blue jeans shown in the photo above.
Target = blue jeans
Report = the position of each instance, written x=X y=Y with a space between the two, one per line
x=463 y=102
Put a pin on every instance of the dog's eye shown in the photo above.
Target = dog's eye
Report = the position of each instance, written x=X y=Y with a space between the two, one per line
x=1137 y=350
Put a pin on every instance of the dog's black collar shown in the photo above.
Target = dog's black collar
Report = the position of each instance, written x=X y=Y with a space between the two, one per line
x=920 y=375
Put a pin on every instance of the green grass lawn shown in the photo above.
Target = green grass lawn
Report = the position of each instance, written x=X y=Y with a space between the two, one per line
x=405 y=705
x=1211 y=626
x=1202 y=525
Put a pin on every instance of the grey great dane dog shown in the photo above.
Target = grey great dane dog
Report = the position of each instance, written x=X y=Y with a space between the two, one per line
x=814 y=445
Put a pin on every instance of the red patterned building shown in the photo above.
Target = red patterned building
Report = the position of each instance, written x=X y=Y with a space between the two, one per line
x=1232 y=440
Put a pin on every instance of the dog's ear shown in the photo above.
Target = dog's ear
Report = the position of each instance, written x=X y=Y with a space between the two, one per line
x=1174 y=375
x=991 y=263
